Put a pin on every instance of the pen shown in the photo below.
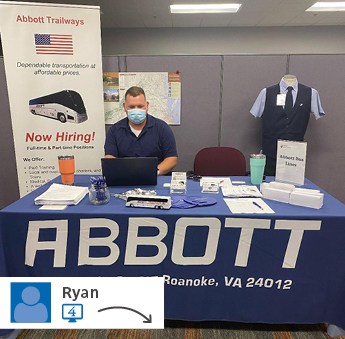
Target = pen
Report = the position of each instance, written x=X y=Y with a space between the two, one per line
x=257 y=205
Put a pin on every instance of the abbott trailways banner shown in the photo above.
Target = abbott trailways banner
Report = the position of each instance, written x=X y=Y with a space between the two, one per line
x=53 y=64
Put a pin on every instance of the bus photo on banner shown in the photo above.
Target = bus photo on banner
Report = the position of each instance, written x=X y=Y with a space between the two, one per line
x=65 y=106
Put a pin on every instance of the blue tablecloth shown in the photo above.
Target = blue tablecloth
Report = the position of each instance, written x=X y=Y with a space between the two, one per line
x=286 y=267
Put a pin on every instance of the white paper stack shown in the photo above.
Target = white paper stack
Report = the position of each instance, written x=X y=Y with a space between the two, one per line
x=247 y=205
x=240 y=191
x=221 y=181
x=288 y=193
x=58 y=194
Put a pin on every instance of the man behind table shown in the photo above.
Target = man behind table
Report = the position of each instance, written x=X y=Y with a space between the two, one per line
x=141 y=135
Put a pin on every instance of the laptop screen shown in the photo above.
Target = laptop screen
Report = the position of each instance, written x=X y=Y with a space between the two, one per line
x=130 y=171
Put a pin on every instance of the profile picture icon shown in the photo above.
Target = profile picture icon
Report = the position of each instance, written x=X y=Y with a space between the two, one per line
x=30 y=302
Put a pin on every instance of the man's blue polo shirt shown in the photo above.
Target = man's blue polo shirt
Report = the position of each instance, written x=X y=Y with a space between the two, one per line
x=155 y=140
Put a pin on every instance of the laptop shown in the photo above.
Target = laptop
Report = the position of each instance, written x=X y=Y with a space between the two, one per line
x=130 y=171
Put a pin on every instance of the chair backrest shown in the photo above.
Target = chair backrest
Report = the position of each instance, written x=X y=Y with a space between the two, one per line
x=219 y=161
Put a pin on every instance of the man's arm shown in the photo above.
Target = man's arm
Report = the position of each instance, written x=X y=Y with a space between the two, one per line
x=167 y=165
x=109 y=156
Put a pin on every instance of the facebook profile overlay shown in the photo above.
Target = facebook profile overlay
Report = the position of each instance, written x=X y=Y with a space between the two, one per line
x=77 y=302
x=30 y=302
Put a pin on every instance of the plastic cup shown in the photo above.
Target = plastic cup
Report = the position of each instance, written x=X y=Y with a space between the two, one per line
x=257 y=167
x=66 y=168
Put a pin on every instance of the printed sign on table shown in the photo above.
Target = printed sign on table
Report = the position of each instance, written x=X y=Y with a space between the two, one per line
x=291 y=160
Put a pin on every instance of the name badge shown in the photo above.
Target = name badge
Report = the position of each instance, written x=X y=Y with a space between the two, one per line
x=281 y=99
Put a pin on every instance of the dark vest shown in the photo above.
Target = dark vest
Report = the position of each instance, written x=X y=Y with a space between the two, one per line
x=277 y=125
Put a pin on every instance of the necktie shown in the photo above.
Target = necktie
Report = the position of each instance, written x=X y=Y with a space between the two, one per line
x=288 y=101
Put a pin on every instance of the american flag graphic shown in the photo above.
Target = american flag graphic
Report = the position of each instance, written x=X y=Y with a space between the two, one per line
x=54 y=44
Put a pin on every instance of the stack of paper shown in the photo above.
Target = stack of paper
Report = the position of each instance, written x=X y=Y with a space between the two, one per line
x=248 y=205
x=241 y=191
x=221 y=181
x=58 y=194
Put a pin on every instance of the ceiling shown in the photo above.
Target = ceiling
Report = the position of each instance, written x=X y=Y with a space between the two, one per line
x=253 y=13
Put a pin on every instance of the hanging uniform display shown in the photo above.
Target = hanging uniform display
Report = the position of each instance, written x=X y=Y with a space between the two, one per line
x=281 y=120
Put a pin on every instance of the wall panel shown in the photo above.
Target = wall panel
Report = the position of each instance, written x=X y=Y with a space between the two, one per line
x=325 y=137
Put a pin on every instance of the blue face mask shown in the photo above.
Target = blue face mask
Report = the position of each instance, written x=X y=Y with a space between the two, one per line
x=136 y=116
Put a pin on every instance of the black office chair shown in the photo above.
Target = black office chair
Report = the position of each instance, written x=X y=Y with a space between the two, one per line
x=219 y=161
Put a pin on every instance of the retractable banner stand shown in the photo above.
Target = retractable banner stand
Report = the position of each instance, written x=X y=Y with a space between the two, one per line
x=53 y=64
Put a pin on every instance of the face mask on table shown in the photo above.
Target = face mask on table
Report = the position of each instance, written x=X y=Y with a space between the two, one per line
x=136 y=116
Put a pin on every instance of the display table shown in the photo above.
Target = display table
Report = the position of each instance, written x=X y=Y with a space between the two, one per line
x=286 y=267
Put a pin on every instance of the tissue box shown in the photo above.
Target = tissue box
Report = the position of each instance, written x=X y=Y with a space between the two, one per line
x=313 y=200
x=273 y=193
x=289 y=194
x=282 y=186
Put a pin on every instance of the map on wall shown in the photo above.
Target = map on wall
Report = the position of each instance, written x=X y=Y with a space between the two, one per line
x=162 y=89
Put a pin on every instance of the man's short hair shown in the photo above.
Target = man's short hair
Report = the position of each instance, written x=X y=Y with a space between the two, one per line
x=134 y=91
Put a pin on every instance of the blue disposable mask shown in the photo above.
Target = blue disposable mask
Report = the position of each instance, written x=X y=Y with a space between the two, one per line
x=136 y=116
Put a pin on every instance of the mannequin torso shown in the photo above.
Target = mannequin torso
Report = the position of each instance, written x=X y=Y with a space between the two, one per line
x=290 y=79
